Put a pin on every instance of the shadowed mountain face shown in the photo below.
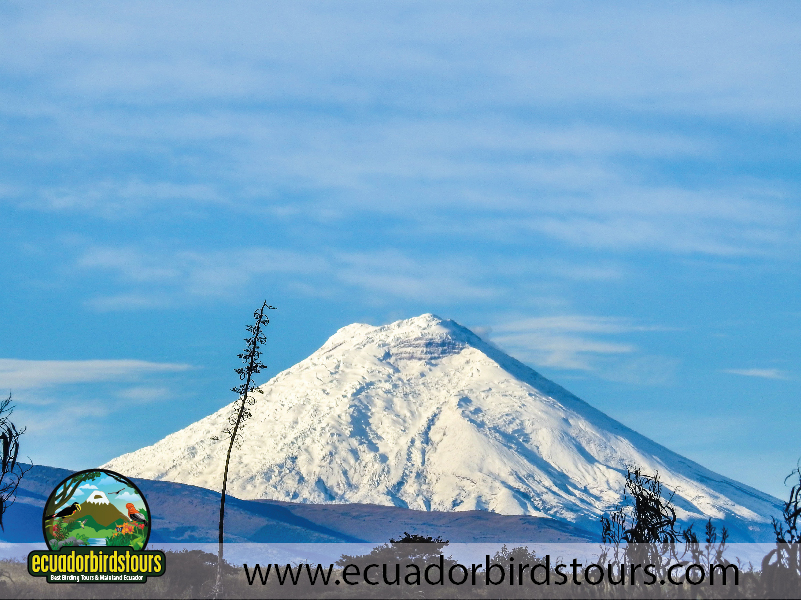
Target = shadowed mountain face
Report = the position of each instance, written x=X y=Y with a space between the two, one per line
x=423 y=414
x=188 y=514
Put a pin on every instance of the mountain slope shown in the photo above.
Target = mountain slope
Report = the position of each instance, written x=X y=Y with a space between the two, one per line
x=424 y=414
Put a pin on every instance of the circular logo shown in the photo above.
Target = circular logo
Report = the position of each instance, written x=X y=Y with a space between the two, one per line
x=96 y=507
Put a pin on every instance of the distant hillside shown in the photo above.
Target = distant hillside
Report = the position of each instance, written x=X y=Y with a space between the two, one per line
x=188 y=514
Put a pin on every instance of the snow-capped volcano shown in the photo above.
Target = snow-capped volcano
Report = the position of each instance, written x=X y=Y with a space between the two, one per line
x=424 y=414
x=98 y=497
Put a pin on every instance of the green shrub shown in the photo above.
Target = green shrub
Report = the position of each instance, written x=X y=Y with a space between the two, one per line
x=134 y=540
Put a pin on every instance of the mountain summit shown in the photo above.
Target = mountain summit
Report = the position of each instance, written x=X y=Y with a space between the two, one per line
x=424 y=414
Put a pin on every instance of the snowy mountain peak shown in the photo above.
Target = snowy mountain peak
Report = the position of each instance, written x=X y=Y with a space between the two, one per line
x=422 y=413
x=427 y=337
x=98 y=497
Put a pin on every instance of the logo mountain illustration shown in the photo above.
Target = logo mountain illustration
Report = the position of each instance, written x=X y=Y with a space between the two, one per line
x=101 y=510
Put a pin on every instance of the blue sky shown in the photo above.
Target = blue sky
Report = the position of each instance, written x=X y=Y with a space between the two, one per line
x=610 y=193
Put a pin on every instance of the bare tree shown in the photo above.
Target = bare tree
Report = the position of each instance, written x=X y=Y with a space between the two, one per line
x=781 y=567
x=251 y=357
x=651 y=518
x=643 y=528
x=11 y=471
x=790 y=514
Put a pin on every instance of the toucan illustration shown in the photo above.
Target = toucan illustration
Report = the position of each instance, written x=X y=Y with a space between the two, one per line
x=134 y=515
x=66 y=512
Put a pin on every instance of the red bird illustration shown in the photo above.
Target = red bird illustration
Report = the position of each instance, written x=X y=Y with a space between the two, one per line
x=134 y=515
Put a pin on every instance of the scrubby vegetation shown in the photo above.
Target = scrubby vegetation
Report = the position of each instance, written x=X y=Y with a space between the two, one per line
x=642 y=529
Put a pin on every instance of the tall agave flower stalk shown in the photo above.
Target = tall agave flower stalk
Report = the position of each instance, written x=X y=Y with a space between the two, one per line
x=252 y=365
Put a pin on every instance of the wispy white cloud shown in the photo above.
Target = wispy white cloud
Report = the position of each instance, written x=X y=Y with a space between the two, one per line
x=26 y=374
x=393 y=274
x=119 y=199
x=576 y=323
x=704 y=226
x=201 y=270
x=158 y=277
x=483 y=145
x=760 y=373
x=82 y=489
x=468 y=183
x=559 y=342
x=597 y=271
x=641 y=370
x=161 y=278
x=55 y=415
x=349 y=53
x=145 y=394
x=143 y=299
x=582 y=343
x=561 y=351
x=425 y=287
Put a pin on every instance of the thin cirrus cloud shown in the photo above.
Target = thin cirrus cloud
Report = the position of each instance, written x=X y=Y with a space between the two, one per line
x=29 y=374
x=45 y=415
x=563 y=342
x=330 y=128
x=162 y=278
x=116 y=199
x=353 y=53
x=45 y=408
x=156 y=279
x=581 y=343
x=619 y=216
x=759 y=373
x=576 y=323
x=145 y=394
x=749 y=220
